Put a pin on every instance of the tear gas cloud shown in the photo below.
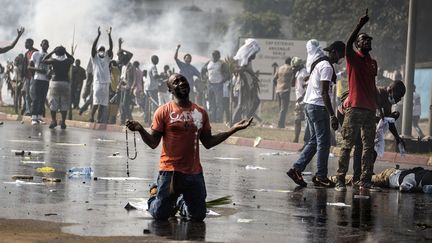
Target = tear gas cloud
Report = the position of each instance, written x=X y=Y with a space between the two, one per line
x=147 y=27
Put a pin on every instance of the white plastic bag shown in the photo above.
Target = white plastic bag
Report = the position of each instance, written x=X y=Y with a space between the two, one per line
x=381 y=129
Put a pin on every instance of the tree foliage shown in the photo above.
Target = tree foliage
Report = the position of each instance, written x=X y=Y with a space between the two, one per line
x=261 y=25
x=336 y=19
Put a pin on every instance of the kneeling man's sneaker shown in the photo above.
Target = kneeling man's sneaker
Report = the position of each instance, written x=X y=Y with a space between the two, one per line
x=323 y=182
x=153 y=190
x=296 y=177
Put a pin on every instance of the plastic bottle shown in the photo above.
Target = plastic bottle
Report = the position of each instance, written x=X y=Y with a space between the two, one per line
x=81 y=171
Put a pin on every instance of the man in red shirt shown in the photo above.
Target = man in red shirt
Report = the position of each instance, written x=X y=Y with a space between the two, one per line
x=361 y=106
x=182 y=124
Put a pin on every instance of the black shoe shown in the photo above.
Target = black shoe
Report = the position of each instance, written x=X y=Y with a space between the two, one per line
x=323 y=182
x=63 y=125
x=53 y=124
x=340 y=186
x=369 y=186
x=296 y=177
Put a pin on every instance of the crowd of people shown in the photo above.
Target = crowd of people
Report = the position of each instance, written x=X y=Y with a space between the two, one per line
x=180 y=106
x=112 y=85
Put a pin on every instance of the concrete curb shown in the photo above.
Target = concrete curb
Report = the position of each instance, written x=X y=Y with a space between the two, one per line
x=393 y=157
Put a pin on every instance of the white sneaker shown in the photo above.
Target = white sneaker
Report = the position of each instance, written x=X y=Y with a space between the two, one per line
x=35 y=122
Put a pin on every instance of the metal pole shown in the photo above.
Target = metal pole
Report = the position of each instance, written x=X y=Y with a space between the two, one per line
x=409 y=70
x=430 y=114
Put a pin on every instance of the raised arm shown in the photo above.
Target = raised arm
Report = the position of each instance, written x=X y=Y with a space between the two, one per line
x=176 y=52
x=209 y=140
x=5 y=49
x=47 y=59
x=354 y=34
x=152 y=139
x=70 y=57
x=94 y=51
x=110 y=50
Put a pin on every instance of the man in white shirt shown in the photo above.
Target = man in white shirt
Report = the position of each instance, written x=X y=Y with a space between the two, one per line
x=216 y=71
x=40 y=83
x=319 y=111
x=101 y=77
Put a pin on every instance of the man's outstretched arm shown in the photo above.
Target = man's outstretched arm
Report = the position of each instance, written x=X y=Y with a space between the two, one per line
x=5 y=49
x=152 y=139
x=209 y=140
x=354 y=34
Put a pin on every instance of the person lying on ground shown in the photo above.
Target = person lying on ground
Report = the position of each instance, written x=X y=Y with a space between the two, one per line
x=416 y=179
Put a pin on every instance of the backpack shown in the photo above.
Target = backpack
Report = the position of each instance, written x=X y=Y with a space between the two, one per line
x=324 y=58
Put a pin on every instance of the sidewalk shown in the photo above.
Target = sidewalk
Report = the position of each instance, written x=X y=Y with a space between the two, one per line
x=411 y=159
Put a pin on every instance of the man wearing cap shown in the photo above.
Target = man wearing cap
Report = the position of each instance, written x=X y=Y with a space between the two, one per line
x=361 y=106
x=319 y=111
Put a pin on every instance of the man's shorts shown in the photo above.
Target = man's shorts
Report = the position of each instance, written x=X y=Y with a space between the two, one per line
x=59 y=95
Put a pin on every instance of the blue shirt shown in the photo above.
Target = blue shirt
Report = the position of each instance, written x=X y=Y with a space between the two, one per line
x=188 y=71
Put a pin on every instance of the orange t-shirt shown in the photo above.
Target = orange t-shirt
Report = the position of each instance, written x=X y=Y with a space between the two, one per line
x=181 y=128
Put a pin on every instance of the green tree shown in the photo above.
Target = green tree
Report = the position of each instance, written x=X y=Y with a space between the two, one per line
x=260 y=25
x=335 y=20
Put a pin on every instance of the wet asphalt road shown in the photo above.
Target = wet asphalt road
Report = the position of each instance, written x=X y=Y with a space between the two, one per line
x=266 y=205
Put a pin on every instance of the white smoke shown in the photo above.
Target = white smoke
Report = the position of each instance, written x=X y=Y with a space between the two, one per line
x=147 y=27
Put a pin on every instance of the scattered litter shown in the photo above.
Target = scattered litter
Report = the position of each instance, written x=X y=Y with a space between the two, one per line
x=22 y=141
x=269 y=190
x=116 y=154
x=252 y=167
x=361 y=197
x=141 y=205
x=32 y=162
x=227 y=158
x=339 y=204
x=19 y=182
x=51 y=179
x=39 y=134
x=71 y=144
x=244 y=220
x=80 y=171
x=22 y=153
x=277 y=153
x=306 y=173
x=22 y=177
x=257 y=141
x=45 y=170
x=212 y=213
x=105 y=140
x=218 y=201
x=27 y=152
x=122 y=179
x=50 y=214
x=52 y=190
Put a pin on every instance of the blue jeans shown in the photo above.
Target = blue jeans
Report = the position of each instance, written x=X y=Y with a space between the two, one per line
x=178 y=191
x=318 y=122
x=215 y=97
